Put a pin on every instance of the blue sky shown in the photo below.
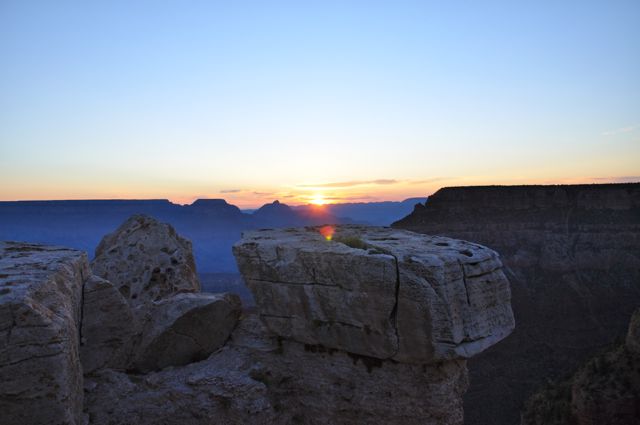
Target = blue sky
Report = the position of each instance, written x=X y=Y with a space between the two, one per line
x=254 y=101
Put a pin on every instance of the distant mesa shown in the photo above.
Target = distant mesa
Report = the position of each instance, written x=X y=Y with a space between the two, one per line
x=219 y=207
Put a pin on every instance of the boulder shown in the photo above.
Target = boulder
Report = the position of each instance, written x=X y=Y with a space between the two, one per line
x=40 y=308
x=146 y=260
x=259 y=378
x=185 y=328
x=379 y=292
x=108 y=327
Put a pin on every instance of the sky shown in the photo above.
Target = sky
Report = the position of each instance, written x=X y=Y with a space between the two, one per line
x=314 y=101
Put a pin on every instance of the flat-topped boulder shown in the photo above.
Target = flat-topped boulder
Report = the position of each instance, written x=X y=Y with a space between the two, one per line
x=379 y=292
x=40 y=308
x=146 y=260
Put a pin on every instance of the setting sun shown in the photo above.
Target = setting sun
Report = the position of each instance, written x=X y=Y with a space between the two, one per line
x=318 y=199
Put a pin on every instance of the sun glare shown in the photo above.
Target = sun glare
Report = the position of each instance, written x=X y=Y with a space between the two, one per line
x=318 y=199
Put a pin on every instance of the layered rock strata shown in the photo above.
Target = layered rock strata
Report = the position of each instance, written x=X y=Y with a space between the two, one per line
x=572 y=255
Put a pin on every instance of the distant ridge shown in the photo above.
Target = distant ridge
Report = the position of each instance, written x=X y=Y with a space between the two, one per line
x=213 y=225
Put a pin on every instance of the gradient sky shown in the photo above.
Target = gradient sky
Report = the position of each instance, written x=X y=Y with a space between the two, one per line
x=345 y=100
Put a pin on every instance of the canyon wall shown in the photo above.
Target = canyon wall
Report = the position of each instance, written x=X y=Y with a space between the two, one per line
x=603 y=391
x=572 y=255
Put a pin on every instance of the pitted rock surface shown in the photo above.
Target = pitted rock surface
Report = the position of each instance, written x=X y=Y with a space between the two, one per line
x=40 y=309
x=146 y=260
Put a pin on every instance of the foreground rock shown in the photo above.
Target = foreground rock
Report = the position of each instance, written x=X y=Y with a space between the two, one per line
x=379 y=333
x=184 y=329
x=60 y=321
x=40 y=305
x=392 y=294
x=167 y=322
x=146 y=260
x=257 y=378
x=572 y=255
x=108 y=327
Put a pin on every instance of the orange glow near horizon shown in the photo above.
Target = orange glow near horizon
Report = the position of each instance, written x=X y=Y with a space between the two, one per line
x=250 y=197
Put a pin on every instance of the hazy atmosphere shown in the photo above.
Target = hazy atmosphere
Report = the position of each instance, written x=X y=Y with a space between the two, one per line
x=319 y=212
x=341 y=101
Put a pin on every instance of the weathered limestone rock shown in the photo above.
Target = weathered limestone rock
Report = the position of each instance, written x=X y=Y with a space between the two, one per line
x=218 y=390
x=185 y=328
x=170 y=324
x=261 y=379
x=40 y=308
x=339 y=348
x=393 y=295
x=372 y=327
x=146 y=260
x=108 y=327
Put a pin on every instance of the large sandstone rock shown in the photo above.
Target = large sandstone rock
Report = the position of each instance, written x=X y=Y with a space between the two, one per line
x=108 y=327
x=185 y=328
x=40 y=308
x=146 y=260
x=392 y=294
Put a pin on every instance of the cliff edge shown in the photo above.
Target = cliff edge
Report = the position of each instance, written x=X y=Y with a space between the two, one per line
x=572 y=255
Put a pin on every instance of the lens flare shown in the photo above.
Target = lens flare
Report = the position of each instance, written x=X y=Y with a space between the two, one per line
x=327 y=232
